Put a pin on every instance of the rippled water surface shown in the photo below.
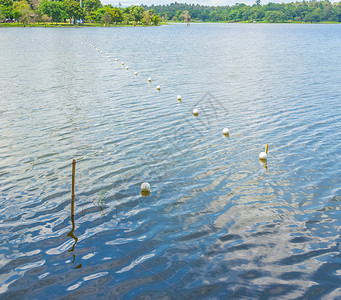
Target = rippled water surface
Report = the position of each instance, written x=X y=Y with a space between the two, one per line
x=218 y=224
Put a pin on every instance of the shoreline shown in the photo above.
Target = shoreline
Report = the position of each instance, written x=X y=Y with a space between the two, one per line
x=66 y=25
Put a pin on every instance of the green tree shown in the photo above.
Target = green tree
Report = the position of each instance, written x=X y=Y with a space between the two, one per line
x=91 y=17
x=6 y=9
x=23 y=12
x=2 y=16
x=156 y=19
x=147 y=16
x=45 y=19
x=52 y=9
x=34 y=4
x=274 y=16
x=107 y=18
x=73 y=10
x=117 y=15
x=91 y=5
x=137 y=13
x=313 y=16
x=185 y=17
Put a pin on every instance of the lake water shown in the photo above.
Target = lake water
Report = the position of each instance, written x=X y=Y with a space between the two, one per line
x=218 y=223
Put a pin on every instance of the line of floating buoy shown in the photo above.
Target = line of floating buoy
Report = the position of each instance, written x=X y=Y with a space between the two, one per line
x=145 y=187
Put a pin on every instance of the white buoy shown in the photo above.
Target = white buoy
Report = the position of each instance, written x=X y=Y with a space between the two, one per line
x=145 y=187
x=115 y=59
x=264 y=155
x=122 y=63
x=195 y=112
x=127 y=68
x=179 y=98
x=107 y=54
x=226 y=131
x=101 y=52
x=149 y=79
x=158 y=88
x=135 y=73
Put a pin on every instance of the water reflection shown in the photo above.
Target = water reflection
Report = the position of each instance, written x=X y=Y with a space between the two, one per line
x=264 y=163
x=71 y=233
x=145 y=193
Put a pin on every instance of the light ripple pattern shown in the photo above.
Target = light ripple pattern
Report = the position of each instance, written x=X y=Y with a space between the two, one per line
x=218 y=224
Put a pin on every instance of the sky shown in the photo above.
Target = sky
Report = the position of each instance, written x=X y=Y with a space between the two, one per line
x=202 y=2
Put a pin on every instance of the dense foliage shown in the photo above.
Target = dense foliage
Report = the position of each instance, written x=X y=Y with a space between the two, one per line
x=312 y=11
x=92 y=11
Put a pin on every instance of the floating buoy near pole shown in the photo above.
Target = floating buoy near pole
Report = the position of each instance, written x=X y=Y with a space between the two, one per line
x=127 y=68
x=135 y=73
x=149 y=79
x=195 y=112
x=226 y=131
x=179 y=97
x=264 y=155
x=158 y=88
x=115 y=59
x=122 y=63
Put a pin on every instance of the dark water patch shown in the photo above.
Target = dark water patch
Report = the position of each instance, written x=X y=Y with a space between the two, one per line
x=299 y=258
x=292 y=275
x=229 y=237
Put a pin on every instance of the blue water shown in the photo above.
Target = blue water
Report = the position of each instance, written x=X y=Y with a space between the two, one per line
x=218 y=223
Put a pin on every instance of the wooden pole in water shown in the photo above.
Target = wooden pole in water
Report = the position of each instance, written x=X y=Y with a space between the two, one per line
x=266 y=148
x=73 y=177
x=73 y=188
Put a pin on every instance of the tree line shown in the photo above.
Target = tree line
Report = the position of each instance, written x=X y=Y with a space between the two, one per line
x=92 y=11
x=311 y=11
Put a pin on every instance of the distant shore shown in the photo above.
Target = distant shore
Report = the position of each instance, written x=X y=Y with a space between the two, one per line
x=67 y=25
x=58 y=25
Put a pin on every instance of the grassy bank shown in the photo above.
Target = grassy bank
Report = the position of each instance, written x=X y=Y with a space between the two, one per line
x=58 y=25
